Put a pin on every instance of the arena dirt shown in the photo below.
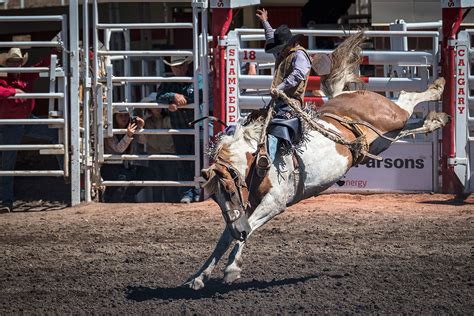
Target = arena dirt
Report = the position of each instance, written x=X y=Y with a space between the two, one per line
x=334 y=254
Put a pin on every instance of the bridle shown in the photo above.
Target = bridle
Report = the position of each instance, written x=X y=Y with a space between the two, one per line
x=236 y=218
x=239 y=182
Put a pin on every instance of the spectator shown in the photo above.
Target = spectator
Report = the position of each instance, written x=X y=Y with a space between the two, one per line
x=177 y=94
x=162 y=144
x=126 y=170
x=249 y=68
x=13 y=84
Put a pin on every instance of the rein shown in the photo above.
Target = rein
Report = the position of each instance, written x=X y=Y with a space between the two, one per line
x=262 y=160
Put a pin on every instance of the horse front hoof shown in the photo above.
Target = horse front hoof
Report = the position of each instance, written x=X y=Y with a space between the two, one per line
x=230 y=277
x=195 y=284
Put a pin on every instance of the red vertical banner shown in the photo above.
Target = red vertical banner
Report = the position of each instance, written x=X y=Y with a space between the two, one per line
x=221 y=19
x=452 y=18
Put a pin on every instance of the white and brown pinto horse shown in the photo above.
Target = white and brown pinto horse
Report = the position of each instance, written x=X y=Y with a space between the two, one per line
x=248 y=202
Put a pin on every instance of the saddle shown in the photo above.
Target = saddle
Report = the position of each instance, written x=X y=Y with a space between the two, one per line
x=285 y=124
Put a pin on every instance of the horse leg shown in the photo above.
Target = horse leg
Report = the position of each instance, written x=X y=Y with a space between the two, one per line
x=259 y=217
x=408 y=100
x=197 y=281
x=233 y=268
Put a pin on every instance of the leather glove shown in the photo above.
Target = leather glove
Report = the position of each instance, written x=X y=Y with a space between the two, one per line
x=275 y=92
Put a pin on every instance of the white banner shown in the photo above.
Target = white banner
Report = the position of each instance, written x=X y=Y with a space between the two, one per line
x=405 y=167
x=232 y=93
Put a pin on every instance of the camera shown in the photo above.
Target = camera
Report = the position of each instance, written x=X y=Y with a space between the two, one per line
x=133 y=120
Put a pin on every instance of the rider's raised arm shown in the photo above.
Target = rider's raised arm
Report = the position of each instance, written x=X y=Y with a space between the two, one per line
x=268 y=30
x=262 y=16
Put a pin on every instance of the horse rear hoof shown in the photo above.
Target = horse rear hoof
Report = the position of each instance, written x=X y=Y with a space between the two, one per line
x=440 y=82
x=438 y=85
x=231 y=277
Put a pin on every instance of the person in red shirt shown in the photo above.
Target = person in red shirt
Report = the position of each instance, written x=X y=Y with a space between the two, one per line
x=17 y=108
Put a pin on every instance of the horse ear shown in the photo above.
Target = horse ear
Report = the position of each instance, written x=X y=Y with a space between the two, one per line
x=206 y=174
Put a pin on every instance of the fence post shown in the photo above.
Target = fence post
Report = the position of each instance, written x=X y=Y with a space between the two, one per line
x=461 y=156
x=74 y=102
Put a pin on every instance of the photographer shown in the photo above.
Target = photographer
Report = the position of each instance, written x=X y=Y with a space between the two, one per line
x=176 y=95
x=126 y=170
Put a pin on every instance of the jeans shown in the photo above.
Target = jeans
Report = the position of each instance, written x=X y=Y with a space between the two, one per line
x=272 y=146
x=13 y=135
x=186 y=173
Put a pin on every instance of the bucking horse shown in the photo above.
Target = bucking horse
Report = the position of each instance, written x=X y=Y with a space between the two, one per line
x=350 y=128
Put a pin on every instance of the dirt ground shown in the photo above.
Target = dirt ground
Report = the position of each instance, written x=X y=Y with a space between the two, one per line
x=334 y=254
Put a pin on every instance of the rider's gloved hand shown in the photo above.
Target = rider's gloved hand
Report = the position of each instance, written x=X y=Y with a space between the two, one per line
x=276 y=92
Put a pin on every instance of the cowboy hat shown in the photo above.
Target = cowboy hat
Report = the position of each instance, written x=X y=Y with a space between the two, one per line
x=124 y=110
x=321 y=64
x=13 y=54
x=177 y=60
x=281 y=38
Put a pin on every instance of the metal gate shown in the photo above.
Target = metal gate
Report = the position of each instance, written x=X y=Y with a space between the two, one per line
x=57 y=95
x=104 y=83
x=464 y=117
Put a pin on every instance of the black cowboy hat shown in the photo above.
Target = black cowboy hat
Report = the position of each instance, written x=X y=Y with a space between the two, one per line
x=281 y=38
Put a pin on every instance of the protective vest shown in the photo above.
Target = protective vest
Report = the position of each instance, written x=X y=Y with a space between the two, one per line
x=283 y=68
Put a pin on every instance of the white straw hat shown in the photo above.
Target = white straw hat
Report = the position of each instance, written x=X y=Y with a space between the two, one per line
x=121 y=110
x=177 y=60
x=13 y=53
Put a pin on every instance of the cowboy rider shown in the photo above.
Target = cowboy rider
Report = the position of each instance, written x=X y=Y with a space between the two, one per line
x=292 y=67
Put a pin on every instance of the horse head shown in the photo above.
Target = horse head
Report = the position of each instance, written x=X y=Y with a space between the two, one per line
x=231 y=175
x=229 y=189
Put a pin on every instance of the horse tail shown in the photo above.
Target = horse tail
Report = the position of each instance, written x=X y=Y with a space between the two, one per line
x=345 y=63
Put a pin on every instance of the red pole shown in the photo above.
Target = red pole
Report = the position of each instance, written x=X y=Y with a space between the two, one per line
x=452 y=18
x=221 y=19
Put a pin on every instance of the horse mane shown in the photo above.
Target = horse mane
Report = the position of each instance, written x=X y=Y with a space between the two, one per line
x=344 y=66
x=249 y=131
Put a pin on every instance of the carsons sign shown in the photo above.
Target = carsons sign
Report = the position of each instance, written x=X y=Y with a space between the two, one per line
x=406 y=167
